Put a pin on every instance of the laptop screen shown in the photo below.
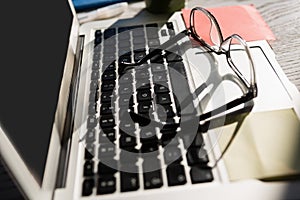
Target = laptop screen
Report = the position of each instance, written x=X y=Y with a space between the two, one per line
x=33 y=50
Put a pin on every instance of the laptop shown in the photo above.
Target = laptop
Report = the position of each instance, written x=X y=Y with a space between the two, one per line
x=65 y=135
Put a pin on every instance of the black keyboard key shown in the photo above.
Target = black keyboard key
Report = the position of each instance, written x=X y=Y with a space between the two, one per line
x=149 y=149
x=172 y=154
x=107 y=167
x=161 y=88
x=124 y=51
x=87 y=187
x=144 y=66
x=95 y=65
x=170 y=25
x=143 y=84
x=142 y=119
x=139 y=40
x=160 y=77
x=192 y=140
x=91 y=122
x=151 y=162
x=170 y=28
x=107 y=150
x=197 y=156
x=145 y=107
x=126 y=78
x=152 y=43
x=106 y=109
x=92 y=109
x=98 y=33
x=171 y=32
x=107 y=136
x=158 y=68
x=128 y=156
x=138 y=47
x=170 y=132
x=94 y=96
x=125 y=58
x=163 y=32
x=169 y=140
x=108 y=86
x=109 y=49
x=200 y=174
x=125 y=89
x=106 y=97
x=124 y=35
x=107 y=122
x=94 y=85
x=144 y=95
x=96 y=56
x=126 y=125
x=129 y=181
x=165 y=111
x=170 y=125
x=127 y=141
x=152 y=31
x=108 y=75
x=88 y=168
x=163 y=98
x=138 y=31
x=139 y=55
x=97 y=48
x=109 y=33
x=89 y=151
x=148 y=135
x=90 y=136
x=95 y=75
x=124 y=44
x=107 y=130
x=106 y=184
x=152 y=179
x=97 y=41
x=142 y=74
x=126 y=101
x=110 y=42
x=176 y=175
x=108 y=58
x=111 y=66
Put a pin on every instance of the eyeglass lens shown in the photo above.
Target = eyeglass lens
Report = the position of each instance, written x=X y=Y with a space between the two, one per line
x=205 y=28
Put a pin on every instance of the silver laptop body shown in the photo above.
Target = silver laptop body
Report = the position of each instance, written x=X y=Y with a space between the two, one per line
x=64 y=171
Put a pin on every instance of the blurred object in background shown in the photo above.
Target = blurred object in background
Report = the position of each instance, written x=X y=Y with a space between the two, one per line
x=164 y=6
x=87 y=5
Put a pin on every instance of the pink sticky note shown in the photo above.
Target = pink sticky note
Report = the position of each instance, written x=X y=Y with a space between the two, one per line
x=244 y=20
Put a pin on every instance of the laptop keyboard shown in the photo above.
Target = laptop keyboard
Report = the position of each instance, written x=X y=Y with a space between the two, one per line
x=111 y=133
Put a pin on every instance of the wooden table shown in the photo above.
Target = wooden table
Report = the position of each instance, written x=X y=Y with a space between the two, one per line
x=283 y=17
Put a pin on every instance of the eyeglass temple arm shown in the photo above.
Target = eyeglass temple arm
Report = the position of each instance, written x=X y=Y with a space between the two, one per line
x=156 y=51
x=205 y=116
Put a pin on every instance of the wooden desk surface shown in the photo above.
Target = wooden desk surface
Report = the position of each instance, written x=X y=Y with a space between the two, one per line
x=283 y=17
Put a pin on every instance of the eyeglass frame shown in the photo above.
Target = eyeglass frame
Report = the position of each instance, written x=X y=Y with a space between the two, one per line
x=251 y=87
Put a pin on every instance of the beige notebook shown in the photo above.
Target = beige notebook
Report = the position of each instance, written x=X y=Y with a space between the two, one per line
x=267 y=146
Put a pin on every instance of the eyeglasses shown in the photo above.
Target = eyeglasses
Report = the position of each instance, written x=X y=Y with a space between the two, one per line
x=205 y=30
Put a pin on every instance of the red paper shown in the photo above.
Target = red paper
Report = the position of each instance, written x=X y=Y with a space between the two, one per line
x=244 y=20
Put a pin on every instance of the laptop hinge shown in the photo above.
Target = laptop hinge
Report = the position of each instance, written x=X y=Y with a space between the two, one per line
x=69 y=122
